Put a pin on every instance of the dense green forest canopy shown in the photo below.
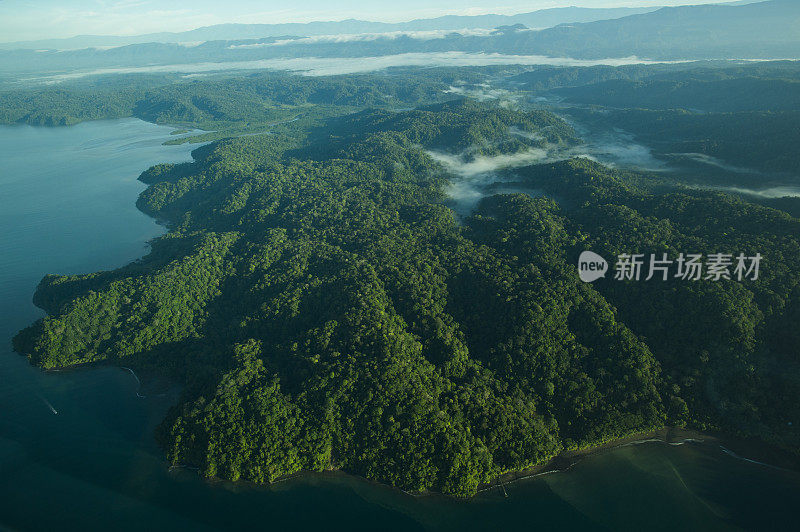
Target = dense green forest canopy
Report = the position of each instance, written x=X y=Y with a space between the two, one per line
x=219 y=101
x=763 y=141
x=693 y=92
x=326 y=309
x=741 y=116
x=225 y=100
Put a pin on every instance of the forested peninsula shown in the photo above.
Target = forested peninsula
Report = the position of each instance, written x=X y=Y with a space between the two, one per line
x=326 y=309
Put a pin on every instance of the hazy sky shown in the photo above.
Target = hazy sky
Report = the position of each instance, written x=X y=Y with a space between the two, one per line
x=42 y=19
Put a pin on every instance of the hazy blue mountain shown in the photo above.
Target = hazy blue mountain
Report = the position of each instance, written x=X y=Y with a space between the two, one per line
x=543 y=18
x=764 y=30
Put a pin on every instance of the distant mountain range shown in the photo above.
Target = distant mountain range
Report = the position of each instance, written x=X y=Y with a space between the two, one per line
x=763 y=30
x=543 y=18
x=755 y=30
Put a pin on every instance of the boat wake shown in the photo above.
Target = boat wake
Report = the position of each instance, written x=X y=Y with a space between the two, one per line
x=734 y=455
x=49 y=405
x=138 y=382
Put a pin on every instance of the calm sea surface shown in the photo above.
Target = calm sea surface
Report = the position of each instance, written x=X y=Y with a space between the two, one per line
x=77 y=448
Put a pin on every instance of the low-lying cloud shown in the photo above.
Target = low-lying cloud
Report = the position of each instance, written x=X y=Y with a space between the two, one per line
x=481 y=176
x=485 y=164
x=713 y=161
x=422 y=35
x=474 y=176
x=327 y=66
x=530 y=135
x=767 y=193
x=483 y=92
x=620 y=150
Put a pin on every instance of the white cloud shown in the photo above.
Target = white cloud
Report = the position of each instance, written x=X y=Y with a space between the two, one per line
x=770 y=193
x=483 y=164
x=363 y=37
x=712 y=161
x=45 y=19
x=474 y=176
x=325 y=66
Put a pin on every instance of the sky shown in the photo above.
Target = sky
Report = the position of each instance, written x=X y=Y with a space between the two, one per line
x=22 y=20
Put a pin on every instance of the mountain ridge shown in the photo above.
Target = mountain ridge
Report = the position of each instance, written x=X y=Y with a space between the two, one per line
x=542 y=17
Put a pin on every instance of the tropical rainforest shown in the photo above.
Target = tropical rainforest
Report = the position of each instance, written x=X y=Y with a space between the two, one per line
x=324 y=307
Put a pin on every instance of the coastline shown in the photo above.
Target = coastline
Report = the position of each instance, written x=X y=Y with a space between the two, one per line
x=752 y=450
x=747 y=449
